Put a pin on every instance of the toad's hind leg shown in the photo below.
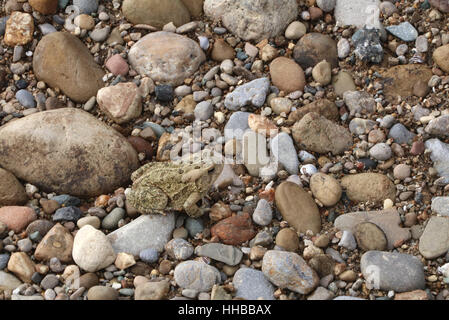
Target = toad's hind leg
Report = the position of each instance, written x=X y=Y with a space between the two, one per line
x=151 y=200
x=190 y=206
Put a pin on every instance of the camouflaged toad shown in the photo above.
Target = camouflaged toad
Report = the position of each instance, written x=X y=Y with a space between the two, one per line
x=161 y=186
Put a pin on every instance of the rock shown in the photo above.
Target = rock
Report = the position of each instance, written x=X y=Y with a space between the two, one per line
x=102 y=293
x=392 y=271
x=399 y=81
x=88 y=280
x=314 y=48
x=434 y=241
x=368 y=45
x=84 y=21
x=22 y=266
x=194 y=226
x=289 y=270
x=44 y=6
x=75 y=161
x=322 y=73
x=284 y=152
x=343 y=82
x=58 y=242
x=439 y=154
x=25 y=98
x=262 y=125
x=121 y=102
x=49 y=282
x=253 y=20
x=318 y=134
x=381 y=152
x=359 y=102
x=40 y=226
x=251 y=284
x=321 y=293
x=356 y=12
x=195 y=7
x=440 y=205
x=222 y=51
x=152 y=290
x=325 y=188
x=402 y=171
x=323 y=265
x=326 y=5
x=196 y=275
x=179 y=249
x=12 y=191
x=347 y=240
x=8 y=281
x=124 y=261
x=281 y=105
x=441 y=56
x=111 y=221
x=61 y=60
x=144 y=232
x=323 y=107
x=17 y=218
x=404 y=31
x=93 y=221
x=220 y=252
x=236 y=126
x=438 y=126
x=412 y=295
x=401 y=134
x=19 y=29
x=86 y=6
x=370 y=237
x=287 y=75
x=287 y=239
x=92 y=250
x=234 y=230
x=387 y=220
x=117 y=65
x=166 y=57
x=297 y=207
x=365 y=187
x=156 y=13
x=295 y=30
x=442 y=5
x=263 y=214
x=253 y=93
x=204 y=111
x=67 y=214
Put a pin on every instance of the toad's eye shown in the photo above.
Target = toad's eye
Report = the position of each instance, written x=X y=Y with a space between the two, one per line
x=180 y=171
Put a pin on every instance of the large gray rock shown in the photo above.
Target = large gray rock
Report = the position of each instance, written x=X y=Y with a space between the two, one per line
x=251 y=284
x=67 y=151
x=8 y=281
x=357 y=12
x=434 y=241
x=439 y=155
x=393 y=271
x=288 y=270
x=252 y=93
x=147 y=231
x=166 y=57
x=440 y=205
x=196 y=275
x=220 y=252
x=253 y=19
x=387 y=220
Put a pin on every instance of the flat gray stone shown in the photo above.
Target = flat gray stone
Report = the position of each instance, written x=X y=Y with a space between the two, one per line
x=252 y=93
x=387 y=220
x=147 y=231
x=401 y=134
x=284 y=152
x=251 y=284
x=439 y=155
x=356 y=12
x=8 y=281
x=220 y=252
x=196 y=275
x=404 y=31
x=393 y=271
x=434 y=242
x=440 y=205
x=236 y=126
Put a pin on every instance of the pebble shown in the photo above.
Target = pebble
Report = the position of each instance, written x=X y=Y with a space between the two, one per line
x=251 y=284
x=283 y=149
x=325 y=188
x=102 y=293
x=149 y=255
x=434 y=241
x=25 y=98
x=179 y=249
x=263 y=214
x=67 y=214
x=196 y=275
x=295 y=30
x=404 y=31
x=253 y=93
x=110 y=222
x=347 y=240
x=86 y=6
x=220 y=252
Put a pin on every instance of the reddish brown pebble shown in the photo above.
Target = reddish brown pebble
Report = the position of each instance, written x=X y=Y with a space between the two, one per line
x=417 y=148
x=234 y=230
x=141 y=145
x=117 y=65
x=17 y=218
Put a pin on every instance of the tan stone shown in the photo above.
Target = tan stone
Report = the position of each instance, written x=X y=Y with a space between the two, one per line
x=124 y=260
x=365 y=187
x=19 y=29
x=222 y=51
x=12 y=191
x=58 y=242
x=287 y=75
x=22 y=266
x=44 y=6
x=262 y=125
x=441 y=57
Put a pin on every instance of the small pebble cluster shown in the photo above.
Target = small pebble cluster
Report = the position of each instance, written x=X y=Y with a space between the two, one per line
x=334 y=114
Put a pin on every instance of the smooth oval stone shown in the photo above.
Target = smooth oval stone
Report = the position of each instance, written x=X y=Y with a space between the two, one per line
x=434 y=241
x=61 y=60
x=67 y=151
x=297 y=207
x=370 y=237
x=364 y=187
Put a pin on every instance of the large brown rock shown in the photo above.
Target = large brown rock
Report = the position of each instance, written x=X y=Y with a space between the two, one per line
x=442 y=5
x=67 y=151
x=323 y=107
x=58 y=242
x=44 y=6
x=297 y=207
x=287 y=75
x=11 y=190
x=63 y=61
x=399 y=81
x=363 y=187
x=166 y=57
x=314 y=48
x=17 y=218
x=318 y=134
x=195 y=7
x=156 y=12
x=234 y=230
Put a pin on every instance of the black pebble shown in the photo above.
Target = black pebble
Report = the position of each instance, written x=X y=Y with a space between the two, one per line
x=164 y=93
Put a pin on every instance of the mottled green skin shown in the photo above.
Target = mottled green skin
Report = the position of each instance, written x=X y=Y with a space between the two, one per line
x=159 y=186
